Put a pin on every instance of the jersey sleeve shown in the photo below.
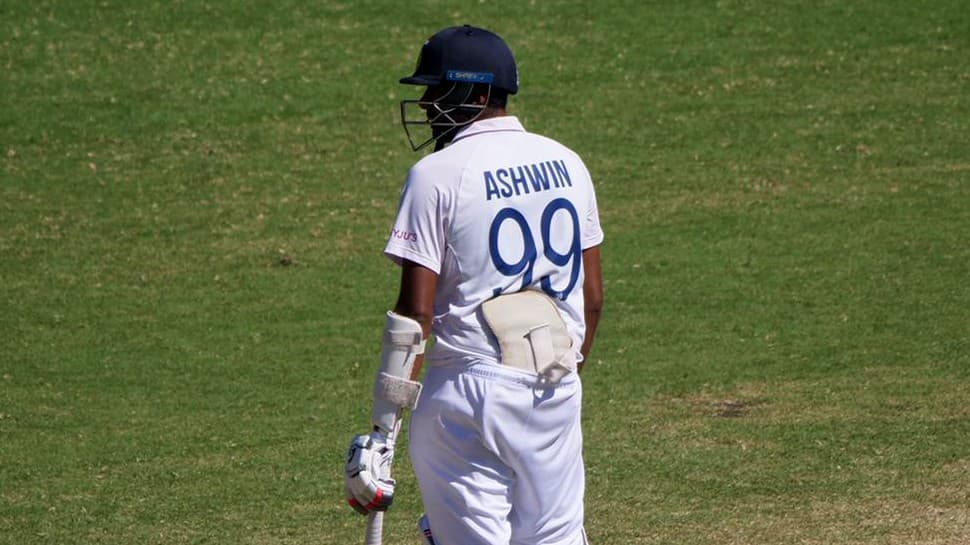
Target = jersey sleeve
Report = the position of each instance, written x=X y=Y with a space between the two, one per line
x=592 y=230
x=418 y=233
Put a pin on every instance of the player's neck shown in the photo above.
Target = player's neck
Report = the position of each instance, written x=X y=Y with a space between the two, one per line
x=492 y=111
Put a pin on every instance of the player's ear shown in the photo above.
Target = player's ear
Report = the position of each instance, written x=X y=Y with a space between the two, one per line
x=481 y=94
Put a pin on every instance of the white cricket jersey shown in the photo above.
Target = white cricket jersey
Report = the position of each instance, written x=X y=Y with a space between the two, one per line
x=497 y=211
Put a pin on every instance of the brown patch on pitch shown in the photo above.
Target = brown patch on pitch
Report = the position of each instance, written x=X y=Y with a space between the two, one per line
x=732 y=408
x=735 y=407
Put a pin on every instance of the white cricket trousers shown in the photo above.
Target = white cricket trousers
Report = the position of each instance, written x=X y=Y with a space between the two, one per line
x=498 y=458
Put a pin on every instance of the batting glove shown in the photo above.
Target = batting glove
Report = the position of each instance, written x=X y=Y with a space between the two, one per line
x=367 y=475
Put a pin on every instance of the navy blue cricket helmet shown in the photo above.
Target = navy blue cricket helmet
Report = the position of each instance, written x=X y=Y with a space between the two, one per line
x=466 y=54
x=458 y=63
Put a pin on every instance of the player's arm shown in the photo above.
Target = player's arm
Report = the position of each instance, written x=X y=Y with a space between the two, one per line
x=592 y=296
x=415 y=300
x=367 y=473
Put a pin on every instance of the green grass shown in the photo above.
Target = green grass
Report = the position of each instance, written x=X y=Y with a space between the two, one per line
x=194 y=197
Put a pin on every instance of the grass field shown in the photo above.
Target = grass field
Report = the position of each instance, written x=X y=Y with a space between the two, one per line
x=194 y=197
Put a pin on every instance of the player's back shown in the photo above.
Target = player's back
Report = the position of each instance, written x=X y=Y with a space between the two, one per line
x=516 y=214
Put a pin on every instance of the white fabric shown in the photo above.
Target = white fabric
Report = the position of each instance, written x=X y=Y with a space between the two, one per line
x=452 y=200
x=498 y=457
x=399 y=392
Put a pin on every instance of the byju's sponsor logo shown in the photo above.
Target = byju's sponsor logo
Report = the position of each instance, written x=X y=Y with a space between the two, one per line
x=406 y=236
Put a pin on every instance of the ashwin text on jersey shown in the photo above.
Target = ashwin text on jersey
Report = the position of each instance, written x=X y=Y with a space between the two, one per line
x=525 y=179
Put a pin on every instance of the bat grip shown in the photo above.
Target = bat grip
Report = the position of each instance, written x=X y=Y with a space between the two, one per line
x=374 y=534
x=375 y=528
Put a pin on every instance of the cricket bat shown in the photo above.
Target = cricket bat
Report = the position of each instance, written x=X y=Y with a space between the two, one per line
x=373 y=535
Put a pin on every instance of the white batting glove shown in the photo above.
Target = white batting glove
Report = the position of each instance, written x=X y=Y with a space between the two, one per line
x=367 y=475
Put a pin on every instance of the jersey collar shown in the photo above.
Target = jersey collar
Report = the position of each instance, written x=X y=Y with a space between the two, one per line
x=503 y=123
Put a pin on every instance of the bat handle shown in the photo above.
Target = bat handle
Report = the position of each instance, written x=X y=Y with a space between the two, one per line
x=375 y=528
x=374 y=534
